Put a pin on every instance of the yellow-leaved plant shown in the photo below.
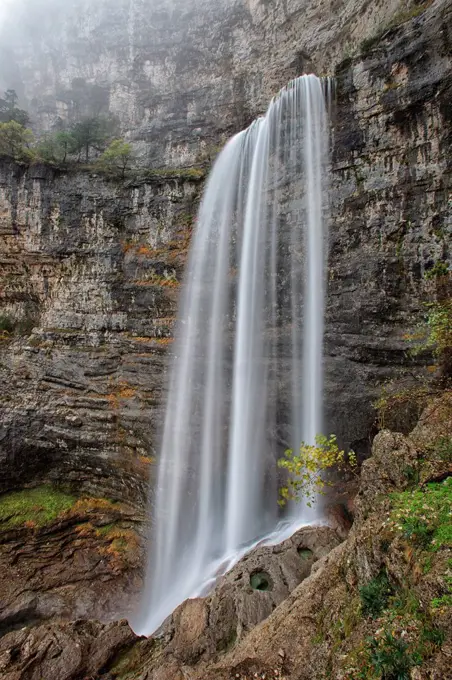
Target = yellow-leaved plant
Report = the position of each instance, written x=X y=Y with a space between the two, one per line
x=305 y=470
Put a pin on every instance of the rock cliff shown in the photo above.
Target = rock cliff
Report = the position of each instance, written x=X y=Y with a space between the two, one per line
x=376 y=606
x=90 y=275
x=178 y=75
x=90 y=271
x=91 y=268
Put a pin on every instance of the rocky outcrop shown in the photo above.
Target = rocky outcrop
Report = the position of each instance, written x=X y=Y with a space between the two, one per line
x=90 y=270
x=245 y=596
x=391 y=218
x=79 y=649
x=380 y=597
x=82 y=560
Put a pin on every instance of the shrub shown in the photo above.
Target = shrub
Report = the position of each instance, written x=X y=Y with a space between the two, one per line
x=305 y=479
x=117 y=157
x=391 y=657
x=375 y=595
x=15 y=141
x=57 y=147
x=9 y=110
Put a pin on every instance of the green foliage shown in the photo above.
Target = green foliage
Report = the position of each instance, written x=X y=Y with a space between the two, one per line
x=439 y=269
x=399 y=404
x=391 y=657
x=15 y=141
x=305 y=478
x=56 y=148
x=404 y=637
x=117 y=156
x=435 y=333
x=423 y=515
x=442 y=449
x=9 y=110
x=439 y=323
x=443 y=601
x=92 y=133
x=35 y=507
x=375 y=595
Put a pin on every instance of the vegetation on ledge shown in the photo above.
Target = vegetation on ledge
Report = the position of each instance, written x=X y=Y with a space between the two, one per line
x=34 y=507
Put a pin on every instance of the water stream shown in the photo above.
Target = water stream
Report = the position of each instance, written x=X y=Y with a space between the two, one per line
x=246 y=377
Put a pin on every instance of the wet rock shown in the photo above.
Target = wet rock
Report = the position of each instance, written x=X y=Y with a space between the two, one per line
x=247 y=594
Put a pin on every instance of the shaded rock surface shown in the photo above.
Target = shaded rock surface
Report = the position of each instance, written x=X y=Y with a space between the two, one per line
x=322 y=628
x=85 y=563
x=89 y=274
x=78 y=649
x=246 y=595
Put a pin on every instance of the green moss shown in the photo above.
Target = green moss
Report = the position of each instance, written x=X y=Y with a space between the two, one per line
x=106 y=529
x=38 y=506
x=182 y=173
x=130 y=661
x=439 y=269
x=442 y=449
x=423 y=515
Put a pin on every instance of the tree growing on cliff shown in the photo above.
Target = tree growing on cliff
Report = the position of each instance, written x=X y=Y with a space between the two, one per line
x=57 y=147
x=9 y=111
x=117 y=157
x=306 y=471
x=92 y=133
x=15 y=141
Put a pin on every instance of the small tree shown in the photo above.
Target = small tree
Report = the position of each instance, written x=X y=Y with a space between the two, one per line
x=305 y=470
x=15 y=140
x=118 y=156
x=9 y=110
x=92 y=133
x=56 y=148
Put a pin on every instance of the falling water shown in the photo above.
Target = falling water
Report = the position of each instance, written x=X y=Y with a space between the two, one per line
x=246 y=378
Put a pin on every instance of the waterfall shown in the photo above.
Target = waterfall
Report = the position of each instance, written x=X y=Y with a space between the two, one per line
x=246 y=378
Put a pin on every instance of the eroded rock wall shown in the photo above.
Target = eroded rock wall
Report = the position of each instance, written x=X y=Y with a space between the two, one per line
x=94 y=266
x=392 y=211
x=90 y=276
x=180 y=75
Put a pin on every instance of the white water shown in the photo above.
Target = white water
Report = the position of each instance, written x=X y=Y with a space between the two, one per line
x=246 y=378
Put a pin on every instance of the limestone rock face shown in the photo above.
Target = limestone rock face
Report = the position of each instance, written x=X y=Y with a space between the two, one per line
x=90 y=267
x=87 y=563
x=68 y=651
x=319 y=629
x=90 y=271
x=178 y=75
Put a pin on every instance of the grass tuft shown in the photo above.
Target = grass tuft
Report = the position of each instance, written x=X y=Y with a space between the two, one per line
x=33 y=507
